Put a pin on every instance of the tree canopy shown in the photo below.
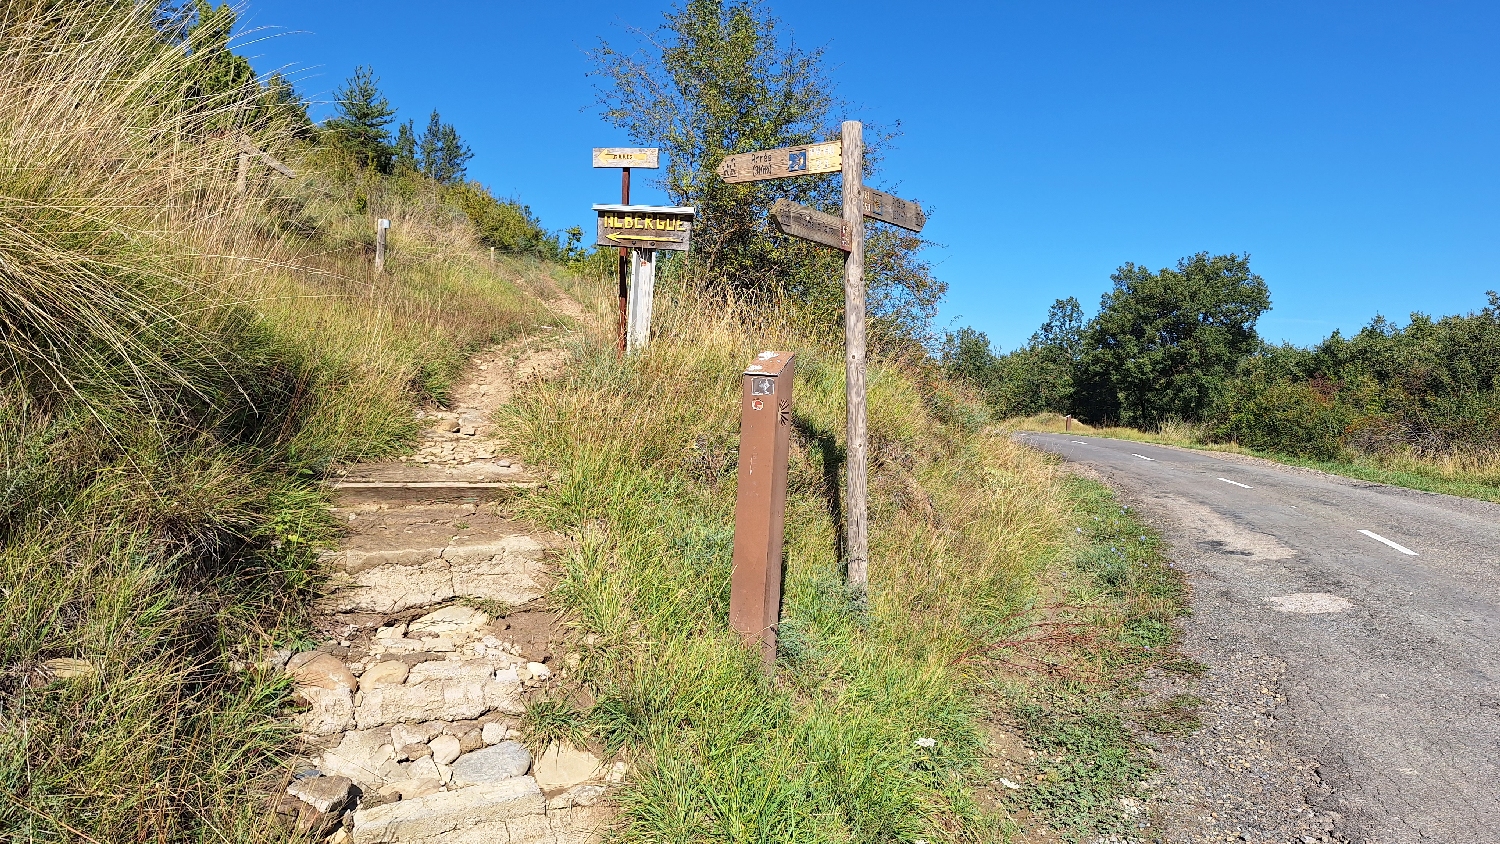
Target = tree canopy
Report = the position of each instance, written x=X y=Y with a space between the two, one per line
x=720 y=78
x=359 y=127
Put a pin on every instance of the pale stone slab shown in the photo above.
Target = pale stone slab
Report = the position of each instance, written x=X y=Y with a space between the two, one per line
x=332 y=710
x=562 y=765
x=437 y=700
x=492 y=764
x=480 y=814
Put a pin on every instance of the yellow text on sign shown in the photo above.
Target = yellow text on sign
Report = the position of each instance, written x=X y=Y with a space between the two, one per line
x=655 y=223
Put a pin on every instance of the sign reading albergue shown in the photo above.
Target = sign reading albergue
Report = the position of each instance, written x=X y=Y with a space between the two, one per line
x=645 y=226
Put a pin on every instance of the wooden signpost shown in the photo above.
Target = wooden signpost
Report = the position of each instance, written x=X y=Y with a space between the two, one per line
x=642 y=230
x=625 y=158
x=881 y=206
x=803 y=160
x=800 y=221
x=249 y=150
x=847 y=234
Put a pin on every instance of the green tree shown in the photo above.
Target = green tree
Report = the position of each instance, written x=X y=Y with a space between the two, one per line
x=217 y=76
x=718 y=78
x=405 y=160
x=1164 y=344
x=359 y=128
x=444 y=155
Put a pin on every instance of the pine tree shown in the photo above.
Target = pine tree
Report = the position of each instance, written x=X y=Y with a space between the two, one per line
x=406 y=149
x=363 y=114
x=431 y=146
x=445 y=157
x=218 y=75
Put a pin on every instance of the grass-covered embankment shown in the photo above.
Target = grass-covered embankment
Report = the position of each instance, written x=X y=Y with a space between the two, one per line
x=179 y=365
x=871 y=729
x=1465 y=474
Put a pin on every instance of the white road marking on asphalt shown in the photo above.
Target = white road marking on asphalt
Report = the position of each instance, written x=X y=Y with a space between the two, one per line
x=1378 y=538
x=1236 y=483
x=1143 y=457
x=1080 y=442
x=1309 y=602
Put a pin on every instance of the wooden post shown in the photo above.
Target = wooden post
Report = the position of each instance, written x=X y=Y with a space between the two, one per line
x=492 y=254
x=380 y=229
x=1068 y=422
x=855 y=463
x=642 y=291
x=760 y=505
x=242 y=181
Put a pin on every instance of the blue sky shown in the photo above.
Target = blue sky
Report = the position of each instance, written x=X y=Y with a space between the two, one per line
x=1353 y=149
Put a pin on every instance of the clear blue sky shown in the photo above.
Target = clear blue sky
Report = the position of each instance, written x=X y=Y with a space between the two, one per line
x=1353 y=149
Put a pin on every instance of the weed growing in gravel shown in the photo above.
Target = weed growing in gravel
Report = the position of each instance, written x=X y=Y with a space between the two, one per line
x=1120 y=597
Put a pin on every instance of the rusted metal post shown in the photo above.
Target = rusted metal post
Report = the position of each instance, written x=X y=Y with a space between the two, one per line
x=760 y=509
x=624 y=264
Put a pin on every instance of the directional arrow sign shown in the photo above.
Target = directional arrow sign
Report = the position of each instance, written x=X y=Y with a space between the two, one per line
x=645 y=226
x=889 y=209
x=800 y=221
x=646 y=157
x=803 y=160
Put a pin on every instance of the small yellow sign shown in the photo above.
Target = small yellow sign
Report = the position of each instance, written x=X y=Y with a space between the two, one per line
x=645 y=157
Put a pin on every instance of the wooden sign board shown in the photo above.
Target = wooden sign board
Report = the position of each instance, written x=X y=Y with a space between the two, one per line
x=800 y=221
x=626 y=157
x=889 y=209
x=645 y=226
x=804 y=160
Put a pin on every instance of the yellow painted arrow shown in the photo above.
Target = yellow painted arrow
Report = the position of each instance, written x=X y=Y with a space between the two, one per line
x=613 y=236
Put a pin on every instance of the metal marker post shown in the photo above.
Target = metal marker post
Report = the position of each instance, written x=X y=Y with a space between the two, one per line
x=760 y=508
x=855 y=464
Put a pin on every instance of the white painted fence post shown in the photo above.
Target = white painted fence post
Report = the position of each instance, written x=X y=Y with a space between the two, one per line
x=642 y=291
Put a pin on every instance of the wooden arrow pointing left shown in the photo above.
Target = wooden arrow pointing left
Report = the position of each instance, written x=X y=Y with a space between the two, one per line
x=645 y=226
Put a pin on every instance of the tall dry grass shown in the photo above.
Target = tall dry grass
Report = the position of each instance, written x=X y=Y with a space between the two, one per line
x=179 y=364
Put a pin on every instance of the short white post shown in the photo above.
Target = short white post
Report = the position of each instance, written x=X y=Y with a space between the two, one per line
x=642 y=291
x=381 y=226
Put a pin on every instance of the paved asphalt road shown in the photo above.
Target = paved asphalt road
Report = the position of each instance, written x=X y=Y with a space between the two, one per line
x=1392 y=659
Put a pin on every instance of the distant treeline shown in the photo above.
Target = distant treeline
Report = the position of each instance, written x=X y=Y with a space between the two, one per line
x=356 y=140
x=1180 y=345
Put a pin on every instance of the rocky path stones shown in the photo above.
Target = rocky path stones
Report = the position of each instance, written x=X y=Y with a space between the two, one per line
x=435 y=639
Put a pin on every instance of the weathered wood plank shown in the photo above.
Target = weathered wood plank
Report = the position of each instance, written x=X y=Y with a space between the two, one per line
x=801 y=160
x=646 y=157
x=800 y=221
x=645 y=226
x=856 y=461
x=882 y=206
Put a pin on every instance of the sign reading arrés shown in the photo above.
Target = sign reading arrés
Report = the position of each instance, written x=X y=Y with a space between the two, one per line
x=644 y=157
x=882 y=206
x=645 y=226
x=803 y=160
x=800 y=221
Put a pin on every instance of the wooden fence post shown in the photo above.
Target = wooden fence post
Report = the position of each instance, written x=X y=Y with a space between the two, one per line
x=642 y=293
x=855 y=463
x=242 y=181
x=760 y=505
x=381 y=226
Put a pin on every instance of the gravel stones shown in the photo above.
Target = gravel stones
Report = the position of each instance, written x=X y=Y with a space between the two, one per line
x=503 y=761
x=390 y=672
x=445 y=749
x=321 y=670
